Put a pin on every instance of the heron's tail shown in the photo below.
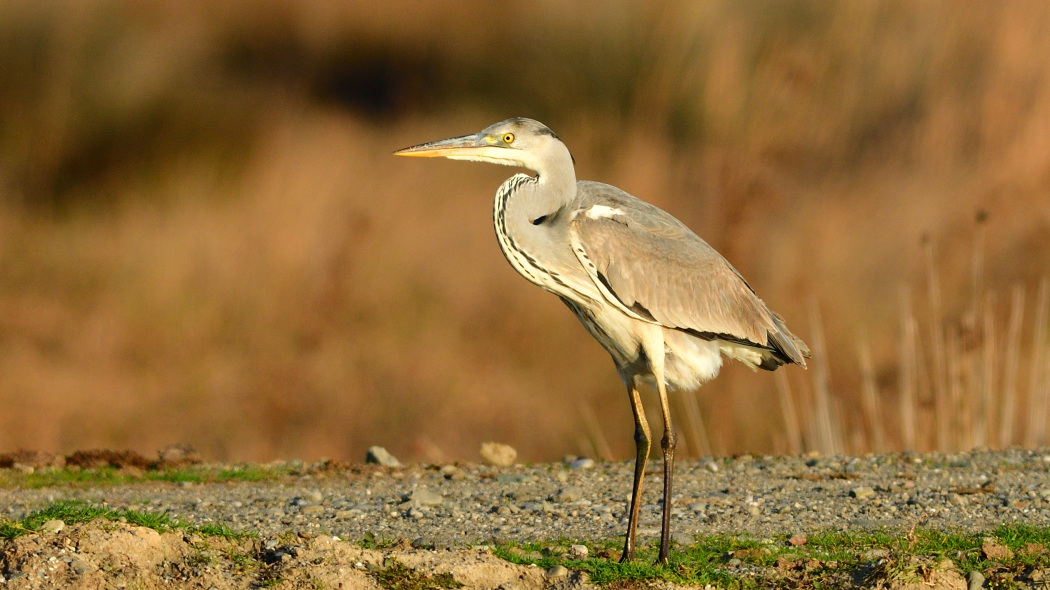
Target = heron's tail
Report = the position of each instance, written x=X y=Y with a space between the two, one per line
x=791 y=348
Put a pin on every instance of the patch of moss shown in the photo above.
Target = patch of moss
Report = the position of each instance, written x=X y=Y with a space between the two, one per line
x=77 y=512
x=395 y=575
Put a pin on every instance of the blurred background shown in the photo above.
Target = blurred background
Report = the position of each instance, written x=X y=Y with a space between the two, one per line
x=204 y=238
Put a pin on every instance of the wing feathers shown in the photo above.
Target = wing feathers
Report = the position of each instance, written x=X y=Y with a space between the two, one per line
x=656 y=269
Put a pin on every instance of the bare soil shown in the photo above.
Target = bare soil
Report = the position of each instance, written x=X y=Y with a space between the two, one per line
x=105 y=554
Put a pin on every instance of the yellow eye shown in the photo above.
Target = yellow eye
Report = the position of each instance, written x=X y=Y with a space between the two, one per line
x=508 y=138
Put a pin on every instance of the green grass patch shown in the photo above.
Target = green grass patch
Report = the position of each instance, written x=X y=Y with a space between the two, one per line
x=77 y=512
x=826 y=560
x=395 y=575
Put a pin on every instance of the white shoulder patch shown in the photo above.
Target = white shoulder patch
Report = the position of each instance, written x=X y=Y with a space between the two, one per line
x=599 y=211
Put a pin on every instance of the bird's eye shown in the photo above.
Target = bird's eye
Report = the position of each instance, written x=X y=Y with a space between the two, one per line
x=508 y=138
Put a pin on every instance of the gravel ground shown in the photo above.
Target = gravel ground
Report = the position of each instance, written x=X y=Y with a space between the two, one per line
x=459 y=505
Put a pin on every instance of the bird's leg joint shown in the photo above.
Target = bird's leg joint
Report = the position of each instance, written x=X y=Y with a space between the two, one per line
x=670 y=440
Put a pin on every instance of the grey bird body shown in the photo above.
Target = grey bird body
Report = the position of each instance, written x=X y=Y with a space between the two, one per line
x=660 y=300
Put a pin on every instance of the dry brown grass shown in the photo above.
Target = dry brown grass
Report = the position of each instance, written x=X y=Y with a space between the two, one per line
x=203 y=238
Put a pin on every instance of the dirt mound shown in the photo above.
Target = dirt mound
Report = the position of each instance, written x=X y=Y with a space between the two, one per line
x=168 y=458
x=106 y=554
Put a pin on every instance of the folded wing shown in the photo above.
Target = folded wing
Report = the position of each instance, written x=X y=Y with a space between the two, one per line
x=654 y=269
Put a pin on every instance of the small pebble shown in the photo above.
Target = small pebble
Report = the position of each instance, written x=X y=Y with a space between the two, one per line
x=975 y=580
x=52 y=526
x=569 y=494
x=498 y=454
x=424 y=497
x=683 y=538
x=582 y=463
x=861 y=492
x=79 y=567
x=382 y=457
x=557 y=571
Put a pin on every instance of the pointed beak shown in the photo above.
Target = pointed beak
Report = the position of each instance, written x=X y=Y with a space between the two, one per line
x=456 y=147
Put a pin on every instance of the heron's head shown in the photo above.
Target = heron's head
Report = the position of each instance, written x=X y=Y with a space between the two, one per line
x=514 y=142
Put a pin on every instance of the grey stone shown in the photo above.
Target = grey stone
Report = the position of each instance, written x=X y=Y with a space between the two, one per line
x=975 y=580
x=79 y=567
x=568 y=494
x=52 y=526
x=424 y=497
x=578 y=552
x=861 y=493
x=558 y=571
x=682 y=538
x=380 y=455
x=582 y=463
x=498 y=454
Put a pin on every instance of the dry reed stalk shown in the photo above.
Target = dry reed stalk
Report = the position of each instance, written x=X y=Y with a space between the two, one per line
x=839 y=428
x=982 y=427
x=780 y=446
x=870 y=397
x=827 y=441
x=975 y=361
x=907 y=376
x=938 y=379
x=792 y=427
x=1011 y=361
x=595 y=434
x=958 y=420
x=977 y=272
x=806 y=411
x=1035 y=431
x=926 y=406
x=695 y=422
x=1044 y=405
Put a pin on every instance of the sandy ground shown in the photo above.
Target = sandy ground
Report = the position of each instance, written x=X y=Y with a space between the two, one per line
x=116 y=555
x=105 y=554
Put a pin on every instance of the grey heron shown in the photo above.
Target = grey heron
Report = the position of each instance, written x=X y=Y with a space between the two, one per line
x=660 y=300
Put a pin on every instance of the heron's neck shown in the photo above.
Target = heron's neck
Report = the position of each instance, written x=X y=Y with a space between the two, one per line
x=554 y=186
x=527 y=210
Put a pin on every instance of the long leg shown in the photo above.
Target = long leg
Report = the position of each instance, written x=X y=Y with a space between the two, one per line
x=642 y=444
x=668 y=444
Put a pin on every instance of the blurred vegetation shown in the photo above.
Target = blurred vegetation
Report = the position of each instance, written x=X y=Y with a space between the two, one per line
x=203 y=238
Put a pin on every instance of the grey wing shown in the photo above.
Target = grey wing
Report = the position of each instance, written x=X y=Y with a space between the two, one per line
x=656 y=270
